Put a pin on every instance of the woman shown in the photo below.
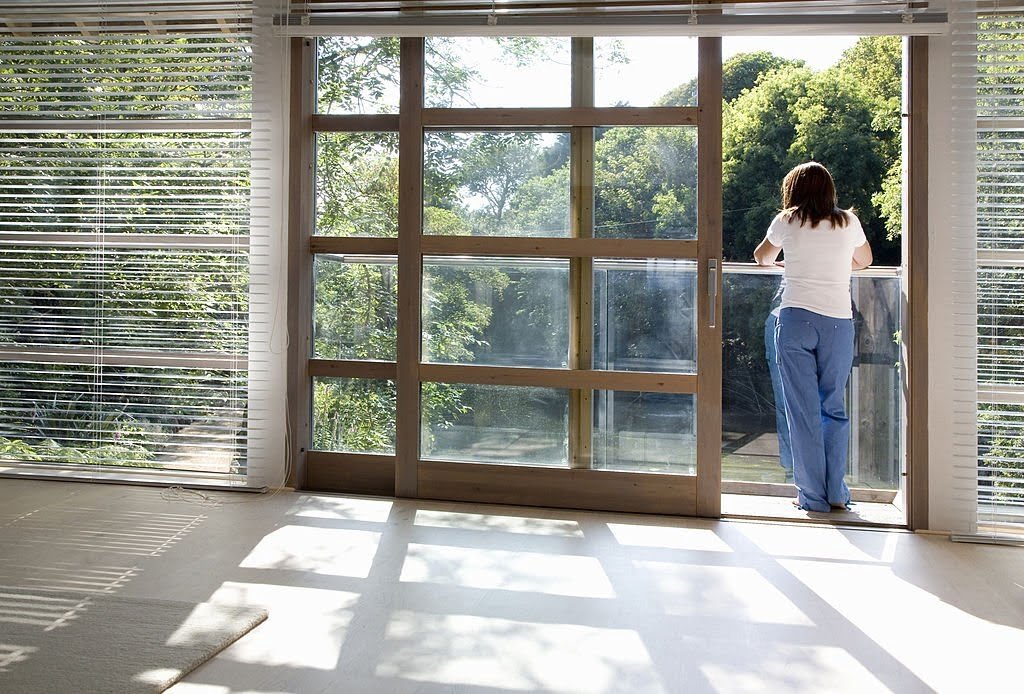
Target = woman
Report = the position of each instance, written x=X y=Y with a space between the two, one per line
x=814 y=333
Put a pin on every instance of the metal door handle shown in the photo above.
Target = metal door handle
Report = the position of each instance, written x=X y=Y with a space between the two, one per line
x=712 y=292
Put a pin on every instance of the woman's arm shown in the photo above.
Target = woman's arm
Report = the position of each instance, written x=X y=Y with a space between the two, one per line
x=766 y=252
x=862 y=257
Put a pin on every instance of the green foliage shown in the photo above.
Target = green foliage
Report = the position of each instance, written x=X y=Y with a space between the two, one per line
x=354 y=310
x=354 y=415
x=645 y=183
x=846 y=117
x=744 y=70
x=357 y=184
x=759 y=128
x=355 y=74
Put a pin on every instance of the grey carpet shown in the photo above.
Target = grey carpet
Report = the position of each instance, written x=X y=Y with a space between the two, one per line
x=56 y=642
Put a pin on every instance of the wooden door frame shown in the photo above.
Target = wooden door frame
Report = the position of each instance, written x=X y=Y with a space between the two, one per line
x=577 y=486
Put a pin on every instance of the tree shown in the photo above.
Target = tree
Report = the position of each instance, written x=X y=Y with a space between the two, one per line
x=645 y=183
x=739 y=73
x=876 y=63
x=758 y=131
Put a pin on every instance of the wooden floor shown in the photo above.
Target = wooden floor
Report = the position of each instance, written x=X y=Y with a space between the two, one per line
x=370 y=595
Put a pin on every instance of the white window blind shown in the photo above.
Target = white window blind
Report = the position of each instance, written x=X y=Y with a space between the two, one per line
x=595 y=18
x=989 y=81
x=125 y=246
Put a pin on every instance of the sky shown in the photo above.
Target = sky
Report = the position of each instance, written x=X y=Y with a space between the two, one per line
x=649 y=73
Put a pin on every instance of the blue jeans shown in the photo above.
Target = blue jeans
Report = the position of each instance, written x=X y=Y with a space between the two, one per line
x=815 y=354
x=781 y=427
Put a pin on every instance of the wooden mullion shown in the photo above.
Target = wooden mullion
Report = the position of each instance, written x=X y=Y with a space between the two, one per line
x=580 y=379
x=410 y=268
x=914 y=345
x=374 y=123
x=581 y=268
x=354 y=245
x=352 y=368
x=553 y=118
x=709 y=294
x=559 y=247
x=300 y=222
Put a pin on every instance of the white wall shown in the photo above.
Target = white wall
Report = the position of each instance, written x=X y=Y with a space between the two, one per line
x=268 y=337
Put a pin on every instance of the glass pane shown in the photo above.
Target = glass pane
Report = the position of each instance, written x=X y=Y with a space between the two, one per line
x=354 y=415
x=752 y=405
x=496 y=311
x=645 y=432
x=645 y=71
x=357 y=184
x=496 y=183
x=645 y=316
x=645 y=183
x=495 y=424
x=355 y=312
x=357 y=74
x=509 y=71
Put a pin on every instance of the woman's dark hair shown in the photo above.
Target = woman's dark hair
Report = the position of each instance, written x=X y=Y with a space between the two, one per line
x=809 y=193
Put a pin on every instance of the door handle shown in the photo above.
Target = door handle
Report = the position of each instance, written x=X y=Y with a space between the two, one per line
x=712 y=292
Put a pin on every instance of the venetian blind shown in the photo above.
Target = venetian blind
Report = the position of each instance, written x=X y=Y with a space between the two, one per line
x=125 y=169
x=597 y=17
x=989 y=84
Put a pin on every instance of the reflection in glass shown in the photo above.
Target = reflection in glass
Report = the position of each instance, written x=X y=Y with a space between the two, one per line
x=645 y=432
x=645 y=316
x=496 y=183
x=357 y=184
x=497 y=424
x=645 y=183
x=496 y=311
x=357 y=74
x=645 y=71
x=508 y=71
x=354 y=415
x=750 y=447
x=354 y=307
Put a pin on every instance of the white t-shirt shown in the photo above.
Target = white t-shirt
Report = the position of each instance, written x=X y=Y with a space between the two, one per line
x=817 y=272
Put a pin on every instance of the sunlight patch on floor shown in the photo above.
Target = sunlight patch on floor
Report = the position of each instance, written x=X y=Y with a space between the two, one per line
x=491 y=569
x=692 y=539
x=526 y=525
x=512 y=655
x=306 y=627
x=325 y=551
x=692 y=590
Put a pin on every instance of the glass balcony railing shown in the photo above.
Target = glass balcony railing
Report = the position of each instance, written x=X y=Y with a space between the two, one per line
x=750 y=448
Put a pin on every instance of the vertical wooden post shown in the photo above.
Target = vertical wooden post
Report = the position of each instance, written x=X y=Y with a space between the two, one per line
x=709 y=278
x=300 y=228
x=410 y=266
x=581 y=270
x=914 y=345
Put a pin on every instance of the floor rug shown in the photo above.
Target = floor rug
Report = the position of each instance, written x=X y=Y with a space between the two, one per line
x=57 y=642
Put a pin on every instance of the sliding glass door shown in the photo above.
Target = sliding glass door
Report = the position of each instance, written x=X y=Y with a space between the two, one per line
x=510 y=254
